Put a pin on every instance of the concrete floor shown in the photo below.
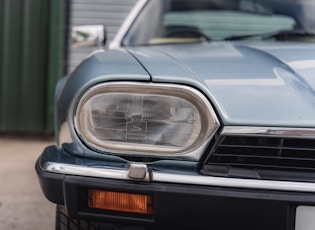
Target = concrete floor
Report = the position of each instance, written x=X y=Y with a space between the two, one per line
x=22 y=204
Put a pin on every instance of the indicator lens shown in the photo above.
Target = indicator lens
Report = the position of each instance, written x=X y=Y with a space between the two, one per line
x=118 y=201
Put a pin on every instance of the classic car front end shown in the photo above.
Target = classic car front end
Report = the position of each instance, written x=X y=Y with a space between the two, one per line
x=179 y=128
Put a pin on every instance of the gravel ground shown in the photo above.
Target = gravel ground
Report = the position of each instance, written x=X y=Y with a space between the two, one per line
x=22 y=204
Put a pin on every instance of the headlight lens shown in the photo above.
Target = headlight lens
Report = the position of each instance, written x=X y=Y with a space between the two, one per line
x=156 y=119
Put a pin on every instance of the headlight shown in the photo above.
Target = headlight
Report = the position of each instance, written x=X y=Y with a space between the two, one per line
x=147 y=119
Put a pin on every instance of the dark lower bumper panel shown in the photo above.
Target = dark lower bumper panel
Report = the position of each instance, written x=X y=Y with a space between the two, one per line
x=181 y=205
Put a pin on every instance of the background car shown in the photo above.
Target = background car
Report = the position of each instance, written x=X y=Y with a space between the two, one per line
x=199 y=115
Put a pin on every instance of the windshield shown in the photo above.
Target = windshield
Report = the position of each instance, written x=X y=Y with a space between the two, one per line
x=177 y=21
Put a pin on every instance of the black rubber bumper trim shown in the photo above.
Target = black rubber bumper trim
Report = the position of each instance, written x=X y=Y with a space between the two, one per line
x=199 y=207
x=193 y=206
x=51 y=184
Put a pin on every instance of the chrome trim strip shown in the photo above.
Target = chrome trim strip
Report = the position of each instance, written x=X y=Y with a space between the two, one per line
x=157 y=176
x=76 y=170
x=234 y=182
x=269 y=131
x=116 y=42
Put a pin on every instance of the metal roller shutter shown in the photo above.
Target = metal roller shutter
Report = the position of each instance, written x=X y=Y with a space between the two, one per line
x=110 y=13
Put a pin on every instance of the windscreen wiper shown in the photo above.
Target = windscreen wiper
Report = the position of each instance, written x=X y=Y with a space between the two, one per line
x=279 y=35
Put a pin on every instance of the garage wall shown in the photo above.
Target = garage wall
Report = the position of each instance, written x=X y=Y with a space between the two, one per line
x=110 y=13
x=32 y=54
x=31 y=48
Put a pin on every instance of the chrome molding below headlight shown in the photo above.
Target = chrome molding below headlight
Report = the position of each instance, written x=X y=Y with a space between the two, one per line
x=64 y=134
x=191 y=179
x=99 y=172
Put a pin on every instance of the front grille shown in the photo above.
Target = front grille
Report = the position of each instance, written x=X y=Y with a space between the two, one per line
x=263 y=152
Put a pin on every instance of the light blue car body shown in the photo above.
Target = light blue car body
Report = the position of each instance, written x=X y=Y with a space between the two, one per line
x=255 y=170
x=248 y=83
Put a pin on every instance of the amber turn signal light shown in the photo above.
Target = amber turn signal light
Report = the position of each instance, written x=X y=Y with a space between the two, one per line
x=119 y=201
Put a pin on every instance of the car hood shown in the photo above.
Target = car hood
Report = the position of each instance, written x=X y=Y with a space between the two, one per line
x=255 y=84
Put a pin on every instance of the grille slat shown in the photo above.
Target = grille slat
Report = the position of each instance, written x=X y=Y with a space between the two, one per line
x=281 y=153
x=268 y=147
x=269 y=167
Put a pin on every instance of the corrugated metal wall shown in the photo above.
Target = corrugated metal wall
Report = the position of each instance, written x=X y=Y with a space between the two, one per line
x=111 y=13
x=31 y=51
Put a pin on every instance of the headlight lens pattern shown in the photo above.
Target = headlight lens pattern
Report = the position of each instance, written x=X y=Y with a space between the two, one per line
x=144 y=118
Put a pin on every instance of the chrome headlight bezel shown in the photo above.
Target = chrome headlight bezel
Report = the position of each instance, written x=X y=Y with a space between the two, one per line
x=209 y=122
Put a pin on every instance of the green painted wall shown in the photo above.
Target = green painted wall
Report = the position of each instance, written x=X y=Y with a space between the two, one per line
x=31 y=59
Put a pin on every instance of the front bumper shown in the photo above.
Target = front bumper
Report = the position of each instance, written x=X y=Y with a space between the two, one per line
x=182 y=197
